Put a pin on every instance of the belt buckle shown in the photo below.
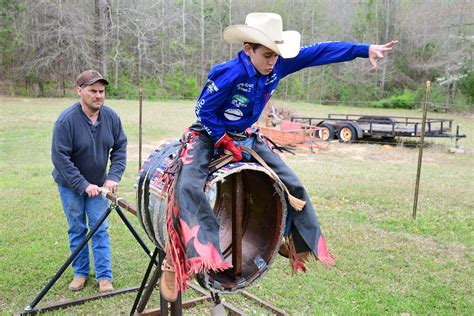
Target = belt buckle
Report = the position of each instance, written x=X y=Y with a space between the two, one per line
x=238 y=136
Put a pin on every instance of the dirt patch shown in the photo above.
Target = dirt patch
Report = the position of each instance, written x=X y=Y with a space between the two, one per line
x=442 y=252
x=147 y=149
x=395 y=154
x=368 y=152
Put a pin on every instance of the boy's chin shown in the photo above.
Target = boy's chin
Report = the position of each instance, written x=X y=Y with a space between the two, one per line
x=265 y=72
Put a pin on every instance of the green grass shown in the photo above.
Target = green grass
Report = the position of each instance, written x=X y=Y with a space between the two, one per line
x=363 y=195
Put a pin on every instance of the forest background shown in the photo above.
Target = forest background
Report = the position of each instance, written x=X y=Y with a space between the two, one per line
x=166 y=47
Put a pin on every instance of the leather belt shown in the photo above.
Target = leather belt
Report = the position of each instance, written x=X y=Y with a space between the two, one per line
x=238 y=136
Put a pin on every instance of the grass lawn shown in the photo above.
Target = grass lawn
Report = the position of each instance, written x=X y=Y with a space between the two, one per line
x=363 y=194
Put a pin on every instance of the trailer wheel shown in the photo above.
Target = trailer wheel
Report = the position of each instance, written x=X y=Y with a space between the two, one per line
x=326 y=132
x=347 y=133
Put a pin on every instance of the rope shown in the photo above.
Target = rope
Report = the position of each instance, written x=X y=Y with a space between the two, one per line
x=294 y=201
x=220 y=162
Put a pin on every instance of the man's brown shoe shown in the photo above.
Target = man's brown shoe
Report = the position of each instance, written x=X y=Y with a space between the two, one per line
x=77 y=283
x=168 y=286
x=105 y=286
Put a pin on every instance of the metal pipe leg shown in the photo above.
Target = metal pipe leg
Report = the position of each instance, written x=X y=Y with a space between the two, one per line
x=68 y=261
x=133 y=231
x=177 y=307
x=145 y=278
x=151 y=285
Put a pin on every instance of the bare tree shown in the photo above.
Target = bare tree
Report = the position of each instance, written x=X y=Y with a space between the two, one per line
x=103 y=21
x=56 y=42
x=202 y=42
x=168 y=43
x=116 y=29
x=183 y=21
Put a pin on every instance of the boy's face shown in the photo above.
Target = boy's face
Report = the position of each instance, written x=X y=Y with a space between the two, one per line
x=262 y=58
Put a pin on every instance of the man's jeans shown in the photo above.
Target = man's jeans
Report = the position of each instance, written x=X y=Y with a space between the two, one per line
x=77 y=208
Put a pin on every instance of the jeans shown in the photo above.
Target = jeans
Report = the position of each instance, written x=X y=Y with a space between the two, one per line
x=302 y=225
x=247 y=143
x=80 y=211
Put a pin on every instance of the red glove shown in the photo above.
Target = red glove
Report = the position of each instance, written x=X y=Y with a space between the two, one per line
x=227 y=143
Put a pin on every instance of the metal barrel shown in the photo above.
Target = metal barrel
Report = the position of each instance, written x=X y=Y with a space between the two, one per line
x=245 y=191
x=151 y=196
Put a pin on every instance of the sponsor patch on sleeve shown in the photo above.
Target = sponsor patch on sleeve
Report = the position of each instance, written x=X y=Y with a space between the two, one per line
x=211 y=86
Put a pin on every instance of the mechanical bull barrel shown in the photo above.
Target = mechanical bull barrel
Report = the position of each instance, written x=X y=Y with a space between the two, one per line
x=248 y=201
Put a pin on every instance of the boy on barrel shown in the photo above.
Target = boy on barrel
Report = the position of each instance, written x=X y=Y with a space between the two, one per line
x=231 y=101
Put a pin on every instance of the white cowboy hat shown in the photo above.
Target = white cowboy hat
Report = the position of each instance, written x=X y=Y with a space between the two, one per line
x=265 y=29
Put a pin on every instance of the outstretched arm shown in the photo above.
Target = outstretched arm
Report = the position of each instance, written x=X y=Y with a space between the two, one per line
x=323 y=53
x=377 y=52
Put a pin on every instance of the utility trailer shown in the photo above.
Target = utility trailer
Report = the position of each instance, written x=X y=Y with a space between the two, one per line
x=351 y=127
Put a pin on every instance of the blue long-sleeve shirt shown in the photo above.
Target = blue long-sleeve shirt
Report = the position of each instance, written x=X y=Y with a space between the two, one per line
x=235 y=94
x=80 y=150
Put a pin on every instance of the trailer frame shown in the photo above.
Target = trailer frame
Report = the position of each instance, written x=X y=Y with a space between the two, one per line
x=351 y=127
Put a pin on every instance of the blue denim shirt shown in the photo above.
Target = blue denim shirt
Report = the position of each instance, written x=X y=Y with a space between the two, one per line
x=235 y=94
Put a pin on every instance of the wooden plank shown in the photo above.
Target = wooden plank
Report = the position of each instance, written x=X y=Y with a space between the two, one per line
x=277 y=310
x=285 y=138
x=80 y=301
x=237 y=217
x=186 y=304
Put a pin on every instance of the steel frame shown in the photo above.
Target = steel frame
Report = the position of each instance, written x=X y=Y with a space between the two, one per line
x=144 y=290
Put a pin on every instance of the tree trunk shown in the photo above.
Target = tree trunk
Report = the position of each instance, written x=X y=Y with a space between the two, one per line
x=102 y=23
x=117 y=47
x=310 y=71
x=201 y=80
x=106 y=22
x=447 y=91
x=321 y=87
x=61 y=64
x=377 y=37
x=139 y=61
x=164 y=69
x=183 y=21
x=387 y=32
x=98 y=38
x=63 y=87
x=40 y=87
x=230 y=23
